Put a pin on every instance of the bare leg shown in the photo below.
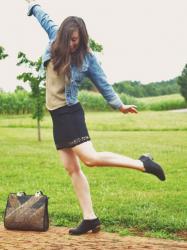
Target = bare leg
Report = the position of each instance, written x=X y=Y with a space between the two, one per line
x=90 y=157
x=120 y=161
x=79 y=181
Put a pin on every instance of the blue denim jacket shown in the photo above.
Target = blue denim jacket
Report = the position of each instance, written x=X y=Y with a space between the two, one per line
x=90 y=68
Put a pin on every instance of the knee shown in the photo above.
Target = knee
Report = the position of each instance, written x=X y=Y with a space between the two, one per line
x=91 y=161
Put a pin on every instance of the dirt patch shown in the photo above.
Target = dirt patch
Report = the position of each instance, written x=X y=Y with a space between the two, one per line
x=57 y=238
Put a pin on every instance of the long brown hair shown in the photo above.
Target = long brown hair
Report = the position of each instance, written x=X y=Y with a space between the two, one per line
x=60 y=49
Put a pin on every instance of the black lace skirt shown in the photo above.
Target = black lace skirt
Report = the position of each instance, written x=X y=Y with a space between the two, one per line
x=69 y=126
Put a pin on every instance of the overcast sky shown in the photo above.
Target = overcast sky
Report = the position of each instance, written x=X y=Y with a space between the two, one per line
x=143 y=40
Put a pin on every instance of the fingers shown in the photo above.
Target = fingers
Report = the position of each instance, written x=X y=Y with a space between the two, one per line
x=133 y=110
x=128 y=109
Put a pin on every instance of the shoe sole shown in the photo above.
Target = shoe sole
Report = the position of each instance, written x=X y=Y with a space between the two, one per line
x=95 y=230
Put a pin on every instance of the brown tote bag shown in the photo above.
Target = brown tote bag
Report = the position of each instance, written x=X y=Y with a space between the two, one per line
x=27 y=212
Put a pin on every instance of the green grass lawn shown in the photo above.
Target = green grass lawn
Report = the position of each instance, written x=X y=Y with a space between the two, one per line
x=123 y=199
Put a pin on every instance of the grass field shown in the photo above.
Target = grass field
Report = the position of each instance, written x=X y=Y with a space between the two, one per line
x=122 y=198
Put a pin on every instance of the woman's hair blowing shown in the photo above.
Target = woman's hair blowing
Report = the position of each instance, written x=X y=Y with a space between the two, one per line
x=60 y=49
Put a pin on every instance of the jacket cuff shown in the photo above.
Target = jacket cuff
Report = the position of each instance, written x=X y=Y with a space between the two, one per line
x=30 y=8
x=116 y=103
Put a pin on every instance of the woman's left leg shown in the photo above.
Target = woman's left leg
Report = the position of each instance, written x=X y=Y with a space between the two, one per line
x=82 y=189
x=80 y=183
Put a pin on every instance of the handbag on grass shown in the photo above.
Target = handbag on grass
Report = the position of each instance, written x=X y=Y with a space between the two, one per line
x=27 y=212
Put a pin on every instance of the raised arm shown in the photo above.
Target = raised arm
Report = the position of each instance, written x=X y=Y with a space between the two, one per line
x=43 y=18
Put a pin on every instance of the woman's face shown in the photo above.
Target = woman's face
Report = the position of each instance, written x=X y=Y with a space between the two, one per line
x=74 y=41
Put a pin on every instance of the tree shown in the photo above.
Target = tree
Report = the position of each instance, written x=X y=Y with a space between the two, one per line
x=36 y=82
x=2 y=56
x=95 y=46
x=19 y=88
x=2 y=53
x=182 y=81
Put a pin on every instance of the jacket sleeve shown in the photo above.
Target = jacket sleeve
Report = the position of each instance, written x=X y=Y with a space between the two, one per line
x=98 y=77
x=44 y=19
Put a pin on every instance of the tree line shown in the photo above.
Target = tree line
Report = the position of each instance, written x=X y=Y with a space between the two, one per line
x=136 y=89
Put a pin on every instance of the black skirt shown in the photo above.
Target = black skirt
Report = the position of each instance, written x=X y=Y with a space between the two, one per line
x=69 y=126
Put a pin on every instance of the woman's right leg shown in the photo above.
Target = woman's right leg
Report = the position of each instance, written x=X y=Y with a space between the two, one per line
x=90 y=157
x=72 y=165
x=87 y=153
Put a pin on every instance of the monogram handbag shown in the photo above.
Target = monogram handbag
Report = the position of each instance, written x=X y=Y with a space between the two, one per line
x=27 y=212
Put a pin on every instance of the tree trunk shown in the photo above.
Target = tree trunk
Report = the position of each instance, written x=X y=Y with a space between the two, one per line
x=39 y=131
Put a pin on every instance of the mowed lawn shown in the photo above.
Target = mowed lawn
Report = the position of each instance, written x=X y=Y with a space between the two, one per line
x=123 y=198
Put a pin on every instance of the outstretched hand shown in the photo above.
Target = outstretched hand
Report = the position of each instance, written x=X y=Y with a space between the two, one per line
x=128 y=109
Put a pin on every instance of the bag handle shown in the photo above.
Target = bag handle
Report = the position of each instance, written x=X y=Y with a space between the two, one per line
x=38 y=193
x=21 y=193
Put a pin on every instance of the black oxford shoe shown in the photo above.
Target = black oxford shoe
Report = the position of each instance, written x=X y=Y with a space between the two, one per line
x=85 y=226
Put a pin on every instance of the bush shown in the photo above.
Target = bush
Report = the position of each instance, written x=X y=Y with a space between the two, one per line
x=15 y=103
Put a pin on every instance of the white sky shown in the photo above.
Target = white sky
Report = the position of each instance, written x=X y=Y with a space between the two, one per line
x=143 y=40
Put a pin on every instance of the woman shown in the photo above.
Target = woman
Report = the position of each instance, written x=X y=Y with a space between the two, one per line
x=67 y=60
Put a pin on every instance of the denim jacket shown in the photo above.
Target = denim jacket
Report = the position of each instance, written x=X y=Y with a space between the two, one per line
x=90 y=68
